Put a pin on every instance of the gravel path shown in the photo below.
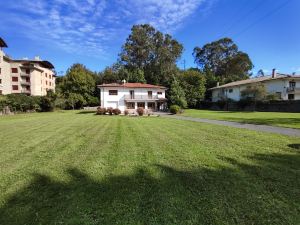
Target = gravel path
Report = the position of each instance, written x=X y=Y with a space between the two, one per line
x=272 y=129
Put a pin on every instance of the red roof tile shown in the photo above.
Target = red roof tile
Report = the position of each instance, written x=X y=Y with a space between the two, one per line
x=132 y=85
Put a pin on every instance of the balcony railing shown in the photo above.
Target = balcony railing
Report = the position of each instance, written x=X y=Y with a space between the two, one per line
x=24 y=75
x=24 y=82
x=141 y=97
x=293 y=89
x=25 y=91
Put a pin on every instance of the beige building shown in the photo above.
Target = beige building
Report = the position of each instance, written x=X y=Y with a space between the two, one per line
x=31 y=77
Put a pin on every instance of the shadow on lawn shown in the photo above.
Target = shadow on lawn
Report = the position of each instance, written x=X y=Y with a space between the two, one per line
x=265 y=192
x=86 y=112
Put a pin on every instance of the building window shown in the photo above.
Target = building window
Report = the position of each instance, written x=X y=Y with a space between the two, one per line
x=27 y=71
x=27 y=79
x=113 y=92
x=278 y=95
x=28 y=88
x=292 y=84
x=151 y=105
x=46 y=82
x=0 y=70
x=46 y=75
x=130 y=105
x=15 y=87
x=230 y=90
x=14 y=70
x=0 y=81
x=291 y=96
x=15 y=79
x=141 y=104
x=49 y=83
x=49 y=76
x=159 y=93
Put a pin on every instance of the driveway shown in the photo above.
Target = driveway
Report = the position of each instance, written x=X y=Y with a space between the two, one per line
x=265 y=128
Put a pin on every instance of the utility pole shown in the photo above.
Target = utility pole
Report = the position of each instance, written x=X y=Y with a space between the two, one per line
x=184 y=64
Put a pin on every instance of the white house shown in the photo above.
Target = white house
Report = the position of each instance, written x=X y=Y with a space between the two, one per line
x=130 y=96
x=287 y=87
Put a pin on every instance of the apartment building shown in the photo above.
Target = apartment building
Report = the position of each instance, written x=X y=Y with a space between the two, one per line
x=31 y=77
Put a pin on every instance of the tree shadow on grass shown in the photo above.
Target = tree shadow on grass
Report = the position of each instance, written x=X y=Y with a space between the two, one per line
x=86 y=112
x=263 y=192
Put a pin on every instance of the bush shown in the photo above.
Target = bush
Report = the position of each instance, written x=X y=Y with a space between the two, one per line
x=101 y=111
x=110 y=110
x=140 y=111
x=116 y=111
x=174 y=109
x=126 y=112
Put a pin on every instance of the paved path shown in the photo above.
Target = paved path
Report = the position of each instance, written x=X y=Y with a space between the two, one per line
x=277 y=130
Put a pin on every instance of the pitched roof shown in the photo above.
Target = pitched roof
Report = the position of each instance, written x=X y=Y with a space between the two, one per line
x=132 y=85
x=2 y=43
x=256 y=80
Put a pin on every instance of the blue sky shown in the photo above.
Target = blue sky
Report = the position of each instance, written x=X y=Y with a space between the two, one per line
x=92 y=31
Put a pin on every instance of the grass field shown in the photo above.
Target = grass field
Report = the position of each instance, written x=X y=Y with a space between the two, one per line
x=78 y=168
x=291 y=120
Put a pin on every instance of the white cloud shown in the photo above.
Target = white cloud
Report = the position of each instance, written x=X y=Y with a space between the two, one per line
x=89 y=26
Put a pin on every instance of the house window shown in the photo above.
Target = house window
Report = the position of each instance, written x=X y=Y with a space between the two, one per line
x=292 y=84
x=141 y=104
x=0 y=70
x=151 y=105
x=46 y=75
x=15 y=79
x=27 y=71
x=130 y=105
x=159 y=93
x=49 y=76
x=150 y=94
x=14 y=70
x=230 y=90
x=46 y=82
x=113 y=92
x=0 y=81
x=291 y=96
x=278 y=95
x=15 y=87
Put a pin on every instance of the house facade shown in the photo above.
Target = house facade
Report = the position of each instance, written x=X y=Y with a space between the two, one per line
x=130 y=96
x=287 y=87
x=31 y=77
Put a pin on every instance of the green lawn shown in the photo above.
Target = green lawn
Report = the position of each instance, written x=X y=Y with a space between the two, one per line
x=78 y=168
x=291 y=120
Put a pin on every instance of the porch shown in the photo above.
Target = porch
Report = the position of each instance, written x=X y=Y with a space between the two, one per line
x=150 y=105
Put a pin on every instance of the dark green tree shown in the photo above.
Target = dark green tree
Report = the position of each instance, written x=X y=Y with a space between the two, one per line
x=223 y=61
x=152 y=52
x=177 y=94
x=193 y=83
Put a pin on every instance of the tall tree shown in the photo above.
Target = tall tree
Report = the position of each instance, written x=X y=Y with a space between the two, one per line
x=78 y=86
x=177 y=94
x=193 y=82
x=152 y=52
x=223 y=59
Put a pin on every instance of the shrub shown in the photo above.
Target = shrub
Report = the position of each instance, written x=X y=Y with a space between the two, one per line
x=110 y=110
x=101 y=111
x=174 y=109
x=140 y=111
x=116 y=111
x=126 y=112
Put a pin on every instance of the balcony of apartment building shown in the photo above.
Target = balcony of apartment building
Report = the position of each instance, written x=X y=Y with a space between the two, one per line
x=25 y=82
x=293 y=90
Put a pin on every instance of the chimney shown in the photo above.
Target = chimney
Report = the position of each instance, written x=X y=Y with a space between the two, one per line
x=274 y=73
x=218 y=84
x=37 y=58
